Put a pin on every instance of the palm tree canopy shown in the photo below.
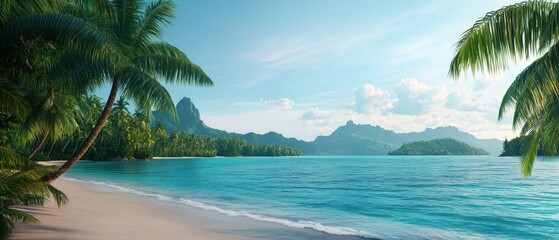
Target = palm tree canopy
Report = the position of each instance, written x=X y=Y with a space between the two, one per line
x=524 y=30
x=137 y=62
x=136 y=59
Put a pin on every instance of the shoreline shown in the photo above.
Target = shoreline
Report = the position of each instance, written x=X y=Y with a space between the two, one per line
x=122 y=215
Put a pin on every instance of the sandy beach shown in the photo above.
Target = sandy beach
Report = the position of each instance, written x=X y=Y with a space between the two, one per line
x=95 y=212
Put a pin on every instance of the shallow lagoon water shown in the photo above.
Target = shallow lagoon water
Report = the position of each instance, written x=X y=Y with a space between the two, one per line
x=386 y=197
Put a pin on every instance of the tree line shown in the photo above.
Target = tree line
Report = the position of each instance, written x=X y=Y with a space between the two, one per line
x=129 y=135
x=515 y=146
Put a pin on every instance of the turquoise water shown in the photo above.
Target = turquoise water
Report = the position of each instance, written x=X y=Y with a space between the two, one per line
x=386 y=197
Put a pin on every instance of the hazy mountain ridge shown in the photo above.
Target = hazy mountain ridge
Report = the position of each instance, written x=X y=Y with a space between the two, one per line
x=349 y=139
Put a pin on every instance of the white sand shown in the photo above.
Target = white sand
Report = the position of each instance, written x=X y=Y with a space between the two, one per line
x=94 y=213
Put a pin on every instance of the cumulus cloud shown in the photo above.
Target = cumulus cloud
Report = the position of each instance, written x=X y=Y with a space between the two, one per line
x=464 y=101
x=372 y=100
x=316 y=113
x=317 y=117
x=284 y=103
x=415 y=97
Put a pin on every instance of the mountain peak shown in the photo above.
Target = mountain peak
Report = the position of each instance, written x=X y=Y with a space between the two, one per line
x=446 y=128
x=188 y=114
x=189 y=120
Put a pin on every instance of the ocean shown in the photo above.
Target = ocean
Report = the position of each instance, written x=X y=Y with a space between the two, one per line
x=378 y=197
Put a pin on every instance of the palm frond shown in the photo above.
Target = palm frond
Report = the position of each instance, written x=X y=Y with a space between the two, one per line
x=172 y=65
x=512 y=32
x=157 y=15
x=11 y=99
x=20 y=216
x=533 y=88
x=529 y=153
x=9 y=159
x=549 y=34
x=147 y=92
x=76 y=32
x=84 y=76
x=128 y=16
x=8 y=218
x=11 y=10
x=99 y=8
x=23 y=186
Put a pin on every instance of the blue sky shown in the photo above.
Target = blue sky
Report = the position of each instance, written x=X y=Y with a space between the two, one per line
x=304 y=67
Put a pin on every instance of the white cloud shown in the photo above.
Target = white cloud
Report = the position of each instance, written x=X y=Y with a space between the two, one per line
x=372 y=100
x=415 y=97
x=467 y=100
x=317 y=117
x=417 y=106
x=284 y=103
x=316 y=113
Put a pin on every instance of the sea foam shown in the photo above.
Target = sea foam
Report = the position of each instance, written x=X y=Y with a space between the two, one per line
x=334 y=230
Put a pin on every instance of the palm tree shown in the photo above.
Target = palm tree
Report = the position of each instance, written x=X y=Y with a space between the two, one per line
x=54 y=116
x=520 y=31
x=20 y=184
x=34 y=37
x=137 y=62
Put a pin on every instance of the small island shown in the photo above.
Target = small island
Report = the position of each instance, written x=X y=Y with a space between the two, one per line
x=445 y=146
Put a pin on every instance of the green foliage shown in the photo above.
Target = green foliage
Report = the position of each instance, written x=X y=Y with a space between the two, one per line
x=514 y=147
x=129 y=136
x=446 y=146
x=56 y=51
x=20 y=184
x=523 y=30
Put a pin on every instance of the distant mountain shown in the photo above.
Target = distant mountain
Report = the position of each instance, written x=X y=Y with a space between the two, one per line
x=493 y=146
x=350 y=139
x=189 y=120
x=277 y=139
x=355 y=139
x=445 y=146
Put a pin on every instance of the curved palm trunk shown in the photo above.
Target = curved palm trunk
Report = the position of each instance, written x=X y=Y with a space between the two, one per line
x=92 y=136
x=45 y=136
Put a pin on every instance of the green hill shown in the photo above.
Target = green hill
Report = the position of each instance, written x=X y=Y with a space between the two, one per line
x=445 y=146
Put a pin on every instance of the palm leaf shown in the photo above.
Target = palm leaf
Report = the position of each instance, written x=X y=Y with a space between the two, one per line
x=147 y=92
x=11 y=99
x=77 y=33
x=512 y=32
x=157 y=15
x=529 y=153
x=171 y=64
x=10 y=216
x=127 y=19
x=533 y=88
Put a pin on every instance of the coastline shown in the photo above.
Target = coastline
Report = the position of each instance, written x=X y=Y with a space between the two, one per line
x=96 y=212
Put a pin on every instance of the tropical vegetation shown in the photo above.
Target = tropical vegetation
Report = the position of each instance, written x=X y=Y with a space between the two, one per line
x=514 y=147
x=445 y=146
x=22 y=185
x=129 y=135
x=523 y=31
x=54 y=54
